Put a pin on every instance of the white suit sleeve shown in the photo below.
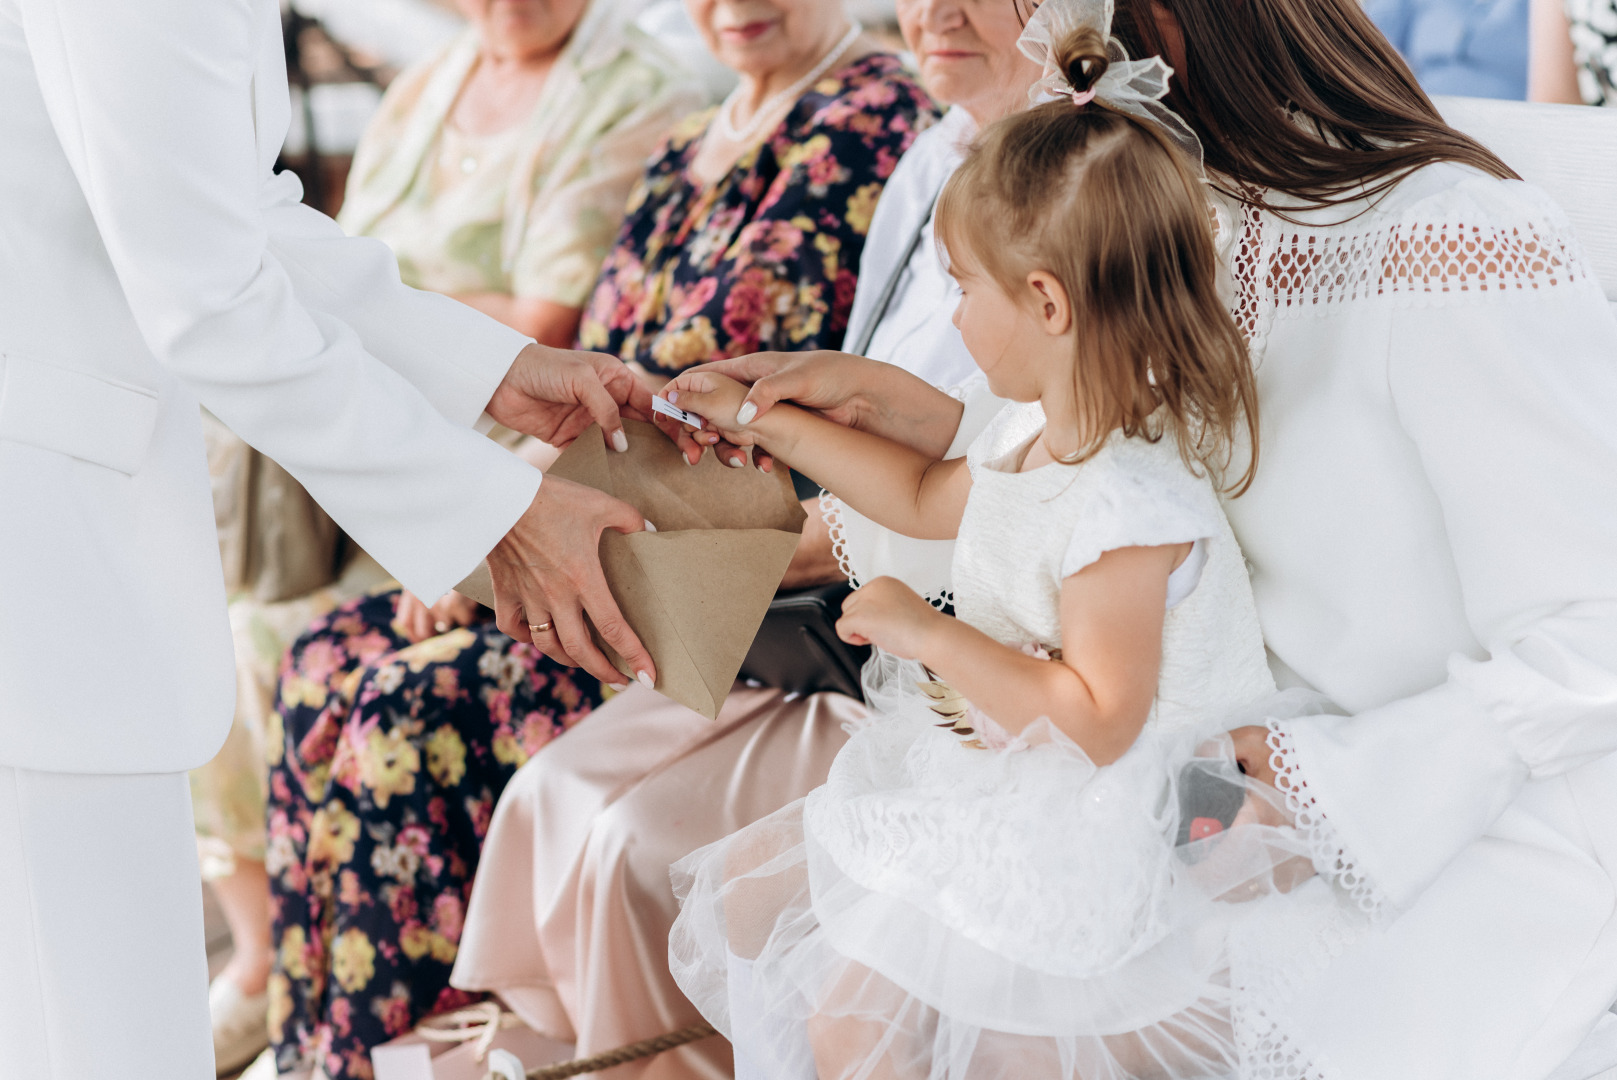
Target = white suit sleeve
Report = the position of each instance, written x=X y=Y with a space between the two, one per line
x=154 y=106
x=1510 y=404
x=454 y=355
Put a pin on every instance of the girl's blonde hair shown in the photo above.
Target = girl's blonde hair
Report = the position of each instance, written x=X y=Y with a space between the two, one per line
x=1110 y=207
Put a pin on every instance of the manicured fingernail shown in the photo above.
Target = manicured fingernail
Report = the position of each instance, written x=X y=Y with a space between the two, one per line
x=649 y=526
x=673 y=397
x=619 y=687
x=688 y=461
x=620 y=442
x=737 y=462
x=645 y=679
x=746 y=413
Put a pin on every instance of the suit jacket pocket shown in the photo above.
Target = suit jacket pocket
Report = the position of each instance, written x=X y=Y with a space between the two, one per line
x=83 y=416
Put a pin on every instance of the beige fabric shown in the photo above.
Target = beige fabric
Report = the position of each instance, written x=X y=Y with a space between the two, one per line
x=530 y=211
x=570 y=914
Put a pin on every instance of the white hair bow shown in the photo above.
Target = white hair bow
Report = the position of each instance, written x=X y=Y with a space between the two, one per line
x=1135 y=87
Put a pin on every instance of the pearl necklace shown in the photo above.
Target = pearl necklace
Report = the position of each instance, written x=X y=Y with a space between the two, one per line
x=745 y=133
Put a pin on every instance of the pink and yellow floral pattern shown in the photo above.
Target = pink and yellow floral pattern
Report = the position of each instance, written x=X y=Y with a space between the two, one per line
x=379 y=800
x=767 y=258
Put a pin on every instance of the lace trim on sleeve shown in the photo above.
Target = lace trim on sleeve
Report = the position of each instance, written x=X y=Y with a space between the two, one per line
x=1330 y=855
x=831 y=511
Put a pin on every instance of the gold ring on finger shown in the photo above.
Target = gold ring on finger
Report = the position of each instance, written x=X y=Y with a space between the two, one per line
x=539 y=628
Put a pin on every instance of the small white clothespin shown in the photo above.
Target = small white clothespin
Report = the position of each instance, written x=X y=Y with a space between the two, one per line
x=663 y=406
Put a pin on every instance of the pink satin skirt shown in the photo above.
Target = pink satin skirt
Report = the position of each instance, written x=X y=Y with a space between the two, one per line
x=571 y=910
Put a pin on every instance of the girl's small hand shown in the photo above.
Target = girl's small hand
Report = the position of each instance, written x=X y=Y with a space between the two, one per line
x=715 y=398
x=888 y=614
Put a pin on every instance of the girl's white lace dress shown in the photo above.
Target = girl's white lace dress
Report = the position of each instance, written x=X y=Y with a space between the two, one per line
x=975 y=905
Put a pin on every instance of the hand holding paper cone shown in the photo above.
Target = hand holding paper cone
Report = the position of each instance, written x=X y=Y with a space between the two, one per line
x=696 y=589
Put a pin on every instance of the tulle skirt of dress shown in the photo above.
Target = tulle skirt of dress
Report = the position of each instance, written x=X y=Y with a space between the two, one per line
x=948 y=912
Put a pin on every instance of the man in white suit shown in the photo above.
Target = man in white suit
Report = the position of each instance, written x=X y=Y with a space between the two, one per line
x=149 y=261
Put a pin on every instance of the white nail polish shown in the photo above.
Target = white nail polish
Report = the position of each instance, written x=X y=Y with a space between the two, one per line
x=737 y=462
x=649 y=526
x=618 y=687
x=645 y=680
x=620 y=442
x=746 y=413
x=673 y=397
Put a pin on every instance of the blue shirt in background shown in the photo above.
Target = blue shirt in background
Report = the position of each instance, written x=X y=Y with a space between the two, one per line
x=1473 y=48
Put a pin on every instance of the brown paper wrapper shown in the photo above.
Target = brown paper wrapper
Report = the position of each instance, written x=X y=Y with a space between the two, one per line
x=697 y=589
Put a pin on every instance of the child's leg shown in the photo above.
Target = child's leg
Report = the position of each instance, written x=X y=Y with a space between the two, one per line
x=765 y=888
x=868 y=1028
x=767 y=1046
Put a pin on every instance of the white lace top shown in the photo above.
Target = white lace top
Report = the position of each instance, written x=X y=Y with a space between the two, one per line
x=1432 y=521
x=1023 y=533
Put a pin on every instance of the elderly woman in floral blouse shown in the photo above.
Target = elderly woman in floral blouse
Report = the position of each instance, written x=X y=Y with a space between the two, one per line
x=746 y=237
x=745 y=232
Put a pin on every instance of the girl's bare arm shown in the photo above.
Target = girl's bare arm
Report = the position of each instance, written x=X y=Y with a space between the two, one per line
x=1099 y=694
x=894 y=485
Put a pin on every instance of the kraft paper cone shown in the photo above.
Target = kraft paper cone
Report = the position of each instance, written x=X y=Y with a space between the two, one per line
x=697 y=589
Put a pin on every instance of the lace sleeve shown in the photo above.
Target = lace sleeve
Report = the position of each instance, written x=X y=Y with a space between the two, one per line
x=1329 y=852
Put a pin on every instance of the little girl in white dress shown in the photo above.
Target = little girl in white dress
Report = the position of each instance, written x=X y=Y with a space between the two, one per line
x=998 y=879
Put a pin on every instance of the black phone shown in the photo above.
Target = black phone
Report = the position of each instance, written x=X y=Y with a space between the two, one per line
x=797 y=648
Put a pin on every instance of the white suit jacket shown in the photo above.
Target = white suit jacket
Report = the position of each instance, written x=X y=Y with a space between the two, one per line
x=149 y=260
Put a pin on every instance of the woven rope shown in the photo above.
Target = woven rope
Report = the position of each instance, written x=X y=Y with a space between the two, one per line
x=622 y=1055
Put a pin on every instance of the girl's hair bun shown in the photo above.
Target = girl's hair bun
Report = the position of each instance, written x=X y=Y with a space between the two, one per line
x=1082 y=57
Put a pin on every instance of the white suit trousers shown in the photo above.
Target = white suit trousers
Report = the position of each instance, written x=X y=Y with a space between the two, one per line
x=103 y=970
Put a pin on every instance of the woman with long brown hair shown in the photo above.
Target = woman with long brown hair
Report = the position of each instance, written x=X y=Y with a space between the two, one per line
x=1429 y=532
x=1430 y=541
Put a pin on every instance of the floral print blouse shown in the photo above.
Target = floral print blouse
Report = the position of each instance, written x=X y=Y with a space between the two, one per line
x=767 y=258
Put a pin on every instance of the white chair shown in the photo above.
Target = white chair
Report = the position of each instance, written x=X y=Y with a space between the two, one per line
x=1568 y=150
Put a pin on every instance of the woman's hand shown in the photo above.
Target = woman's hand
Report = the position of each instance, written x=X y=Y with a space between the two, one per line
x=890 y=615
x=555 y=394
x=416 y=621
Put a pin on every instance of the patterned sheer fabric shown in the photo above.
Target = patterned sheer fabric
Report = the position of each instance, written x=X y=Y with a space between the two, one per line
x=767 y=258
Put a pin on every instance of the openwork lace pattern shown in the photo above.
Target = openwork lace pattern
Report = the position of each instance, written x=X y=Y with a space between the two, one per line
x=1459 y=251
x=1269 y=1053
x=831 y=511
x=1254 y=305
x=1270 y=959
x=1318 y=267
x=1330 y=856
